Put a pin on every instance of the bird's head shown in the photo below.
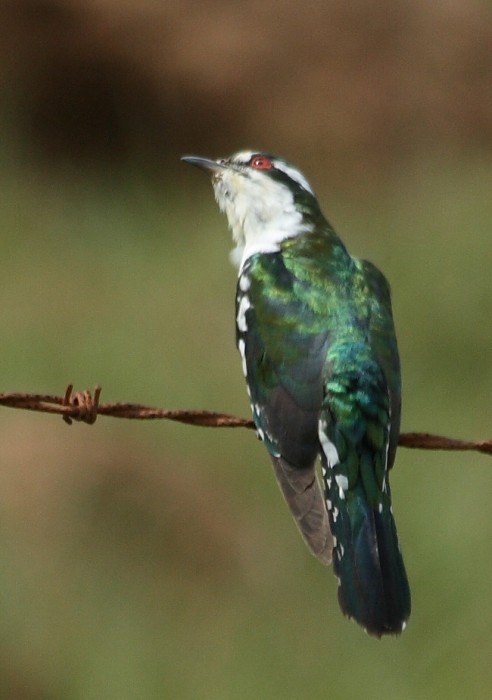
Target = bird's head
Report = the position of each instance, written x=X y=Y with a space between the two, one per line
x=266 y=200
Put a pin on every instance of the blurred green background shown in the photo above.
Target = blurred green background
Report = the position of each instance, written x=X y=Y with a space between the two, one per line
x=159 y=560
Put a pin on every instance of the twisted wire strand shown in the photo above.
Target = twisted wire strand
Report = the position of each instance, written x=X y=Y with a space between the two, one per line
x=85 y=407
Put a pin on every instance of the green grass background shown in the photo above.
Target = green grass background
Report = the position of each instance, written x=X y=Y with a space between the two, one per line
x=154 y=560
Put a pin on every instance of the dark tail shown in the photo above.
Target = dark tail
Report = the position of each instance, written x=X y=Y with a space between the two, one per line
x=304 y=496
x=373 y=585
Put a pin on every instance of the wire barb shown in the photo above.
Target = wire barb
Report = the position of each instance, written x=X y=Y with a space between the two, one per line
x=85 y=407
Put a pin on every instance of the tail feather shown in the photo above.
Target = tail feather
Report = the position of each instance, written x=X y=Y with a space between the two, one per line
x=303 y=494
x=373 y=586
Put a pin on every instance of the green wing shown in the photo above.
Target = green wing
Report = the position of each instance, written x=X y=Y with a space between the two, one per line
x=363 y=394
x=284 y=350
x=384 y=344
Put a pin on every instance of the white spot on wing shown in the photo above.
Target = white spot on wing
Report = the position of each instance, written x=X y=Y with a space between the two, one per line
x=342 y=482
x=328 y=447
x=244 y=305
x=241 y=346
x=244 y=283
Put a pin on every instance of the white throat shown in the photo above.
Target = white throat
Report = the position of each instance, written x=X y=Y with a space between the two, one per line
x=261 y=212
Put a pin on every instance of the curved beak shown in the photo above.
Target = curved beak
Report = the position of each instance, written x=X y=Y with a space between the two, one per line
x=207 y=164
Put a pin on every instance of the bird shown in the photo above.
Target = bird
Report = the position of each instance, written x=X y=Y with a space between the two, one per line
x=315 y=331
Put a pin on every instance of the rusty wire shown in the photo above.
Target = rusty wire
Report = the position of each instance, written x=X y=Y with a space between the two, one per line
x=84 y=406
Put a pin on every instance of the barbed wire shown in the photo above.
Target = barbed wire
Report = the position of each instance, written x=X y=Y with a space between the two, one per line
x=85 y=406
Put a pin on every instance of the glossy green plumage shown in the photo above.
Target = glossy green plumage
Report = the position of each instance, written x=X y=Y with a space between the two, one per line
x=320 y=345
x=315 y=332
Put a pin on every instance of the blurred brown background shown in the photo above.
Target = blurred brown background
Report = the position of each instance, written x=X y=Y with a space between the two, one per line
x=349 y=86
x=159 y=561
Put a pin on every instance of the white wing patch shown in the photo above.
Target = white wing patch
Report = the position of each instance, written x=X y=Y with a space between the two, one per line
x=244 y=305
x=244 y=283
x=241 y=346
x=342 y=483
x=328 y=447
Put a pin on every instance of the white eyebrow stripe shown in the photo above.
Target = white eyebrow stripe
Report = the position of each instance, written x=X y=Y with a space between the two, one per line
x=294 y=174
x=243 y=156
x=289 y=170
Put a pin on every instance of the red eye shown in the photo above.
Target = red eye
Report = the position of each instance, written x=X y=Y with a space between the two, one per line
x=261 y=163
